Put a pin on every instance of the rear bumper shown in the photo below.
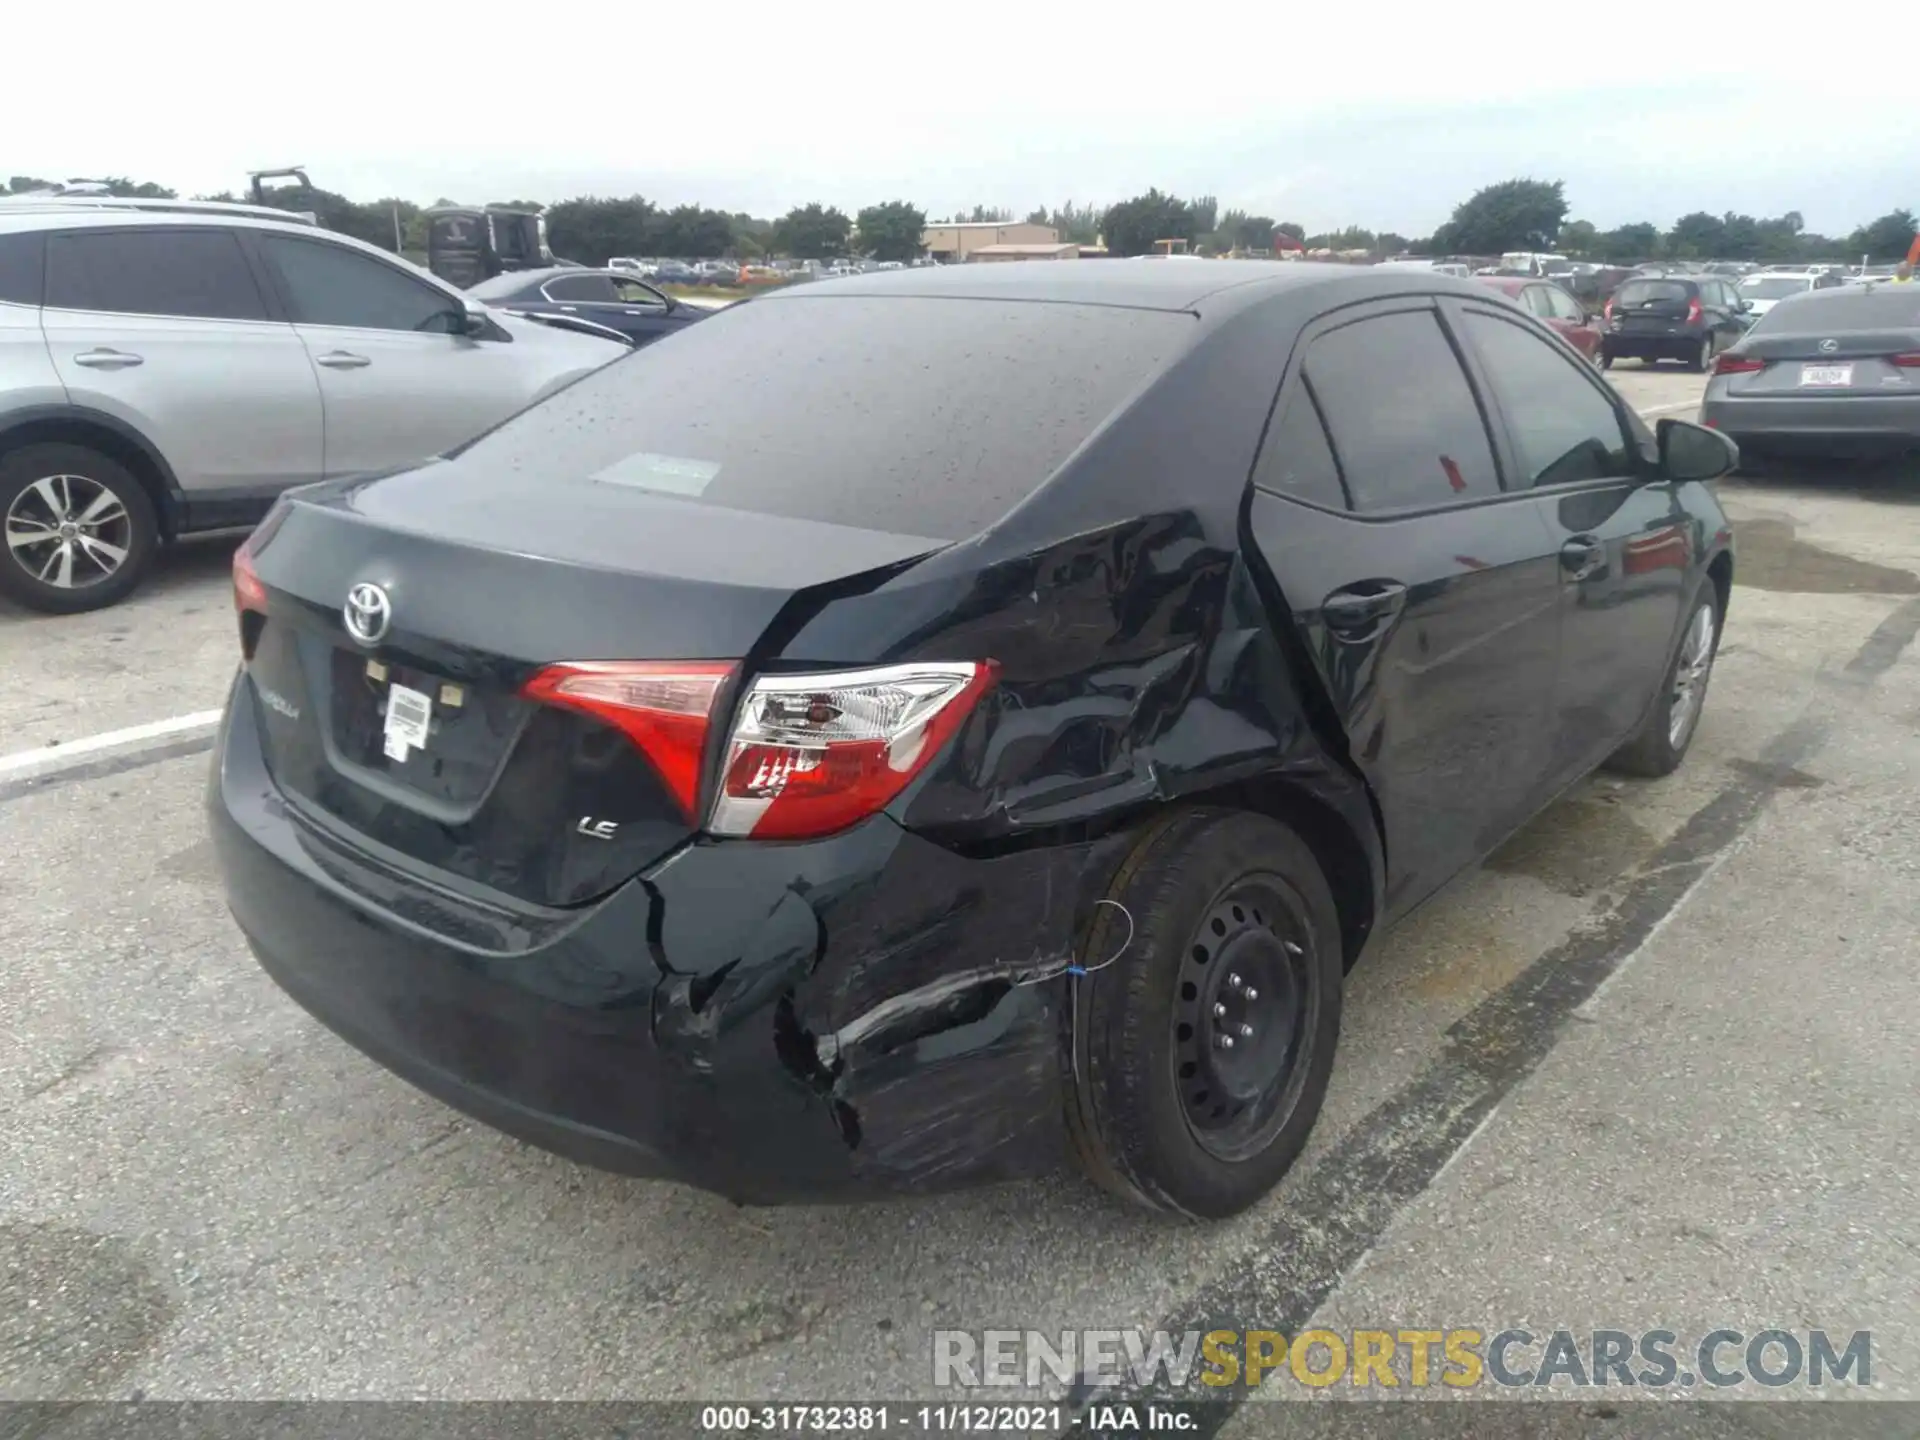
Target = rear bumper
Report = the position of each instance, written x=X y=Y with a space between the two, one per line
x=1620 y=345
x=1797 y=425
x=774 y=1023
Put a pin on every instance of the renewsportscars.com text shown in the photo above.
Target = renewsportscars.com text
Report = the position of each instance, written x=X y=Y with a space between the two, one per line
x=1459 y=1358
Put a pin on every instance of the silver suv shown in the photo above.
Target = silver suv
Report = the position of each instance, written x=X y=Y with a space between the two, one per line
x=170 y=368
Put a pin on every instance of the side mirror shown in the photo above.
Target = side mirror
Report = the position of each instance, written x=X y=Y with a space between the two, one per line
x=474 y=319
x=1693 y=452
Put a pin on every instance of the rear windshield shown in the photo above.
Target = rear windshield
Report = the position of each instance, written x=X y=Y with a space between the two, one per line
x=1653 y=292
x=911 y=415
x=1843 y=308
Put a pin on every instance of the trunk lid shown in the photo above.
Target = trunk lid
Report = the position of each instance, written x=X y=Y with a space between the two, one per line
x=1816 y=364
x=485 y=582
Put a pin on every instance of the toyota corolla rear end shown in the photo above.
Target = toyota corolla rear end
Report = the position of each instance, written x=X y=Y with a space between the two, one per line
x=523 y=791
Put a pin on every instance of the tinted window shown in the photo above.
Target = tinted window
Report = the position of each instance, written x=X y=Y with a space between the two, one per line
x=1297 y=460
x=580 y=288
x=22 y=263
x=1564 y=427
x=915 y=416
x=1882 y=307
x=1653 y=292
x=632 y=292
x=332 y=285
x=197 y=274
x=1405 y=426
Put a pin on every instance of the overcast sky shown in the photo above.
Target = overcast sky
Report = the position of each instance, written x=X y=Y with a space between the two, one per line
x=1372 y=116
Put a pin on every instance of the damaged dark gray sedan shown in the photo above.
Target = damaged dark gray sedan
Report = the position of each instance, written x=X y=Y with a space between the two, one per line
x=917 y=729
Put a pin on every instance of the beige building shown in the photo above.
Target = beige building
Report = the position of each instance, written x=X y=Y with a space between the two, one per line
x=958 y=241
x=1053 y=251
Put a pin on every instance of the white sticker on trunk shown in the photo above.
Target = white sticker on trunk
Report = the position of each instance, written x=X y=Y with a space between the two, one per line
x=408 y=715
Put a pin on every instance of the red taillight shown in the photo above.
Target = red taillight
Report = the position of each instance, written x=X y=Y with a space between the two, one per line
x=1693 y=310
x=1910 y=360
x=1608 y=312
x=1727 y=363
x=662 y=706
x=812 y=754
x=248 y=592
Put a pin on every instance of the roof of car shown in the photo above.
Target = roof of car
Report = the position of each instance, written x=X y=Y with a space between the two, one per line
x=1139 y=283
x=57 y=217
x=1510 y=284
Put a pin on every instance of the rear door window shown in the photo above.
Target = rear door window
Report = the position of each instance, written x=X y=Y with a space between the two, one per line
x=1297 y=460
x=911 y=415
x=581 y=289
x=190 y=272
x=1406 y=428
x=22 y=264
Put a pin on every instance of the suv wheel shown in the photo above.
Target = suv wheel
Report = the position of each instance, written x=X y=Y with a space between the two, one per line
x=1202 y=1052
x=80 y=531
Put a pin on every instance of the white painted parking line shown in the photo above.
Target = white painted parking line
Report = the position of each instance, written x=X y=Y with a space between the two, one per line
x=61 y=752
x=1668 y=409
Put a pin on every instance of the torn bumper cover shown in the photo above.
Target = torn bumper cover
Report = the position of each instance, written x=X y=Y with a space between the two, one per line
x=863 y=1015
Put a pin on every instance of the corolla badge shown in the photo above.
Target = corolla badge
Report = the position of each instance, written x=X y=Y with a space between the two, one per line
x=368 y=612
x=1827 y=347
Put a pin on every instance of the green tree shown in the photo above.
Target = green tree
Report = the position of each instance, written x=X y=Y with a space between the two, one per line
x=1132 y=226
x=1287 y=227
x=751 y=236
x=894 y=230
x=1206 y=214
x=812 y=232
x=1697 y=236
x=1887 y=238
x=592 y=228
x=1520 y=214
x=1631 y=243
x=1577 y=237
x=1240 y=231
x=23 y=184
x=1077 y=223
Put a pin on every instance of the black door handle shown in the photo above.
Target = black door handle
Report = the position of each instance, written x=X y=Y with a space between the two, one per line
x=1583 y=557
x=1360 y=607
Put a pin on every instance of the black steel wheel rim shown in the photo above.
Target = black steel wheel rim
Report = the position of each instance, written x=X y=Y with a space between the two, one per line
x=1245 y=1003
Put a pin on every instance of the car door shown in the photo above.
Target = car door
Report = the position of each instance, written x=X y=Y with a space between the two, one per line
x=1568 y=319
x=1426 y=596
x=1623 y=541
x=165 y=328
x=399 y=379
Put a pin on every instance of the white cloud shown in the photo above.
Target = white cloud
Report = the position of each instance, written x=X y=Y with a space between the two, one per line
x=1384 y=116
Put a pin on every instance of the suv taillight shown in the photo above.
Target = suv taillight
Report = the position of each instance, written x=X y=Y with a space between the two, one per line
x=1608 y=312
x=808 y=754
x=1693 y=311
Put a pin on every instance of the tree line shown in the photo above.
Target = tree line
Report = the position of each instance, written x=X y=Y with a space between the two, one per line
x=1518 y=214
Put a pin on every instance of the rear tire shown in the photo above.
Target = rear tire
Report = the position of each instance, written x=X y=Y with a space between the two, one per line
x=80 y=529
x=1702 y=359
x=1202 y=1053
x=1606 y=361
x=1661 y=743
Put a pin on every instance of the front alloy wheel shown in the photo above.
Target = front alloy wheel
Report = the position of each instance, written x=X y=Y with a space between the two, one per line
x=1660 y=744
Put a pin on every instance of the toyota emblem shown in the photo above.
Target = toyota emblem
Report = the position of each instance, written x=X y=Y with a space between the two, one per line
x=368 y=612
x=1827 y=347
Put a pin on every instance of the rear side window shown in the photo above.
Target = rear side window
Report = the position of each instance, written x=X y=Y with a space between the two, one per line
x=1652 y=292
x=330 y=284
x=197 y=274
x=1405 y=426
x=911 y=415
x=581 y=288
x=22 y=264
x=1297 y=461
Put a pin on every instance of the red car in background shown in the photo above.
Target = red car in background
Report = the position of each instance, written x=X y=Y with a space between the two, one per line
x=1553 y=306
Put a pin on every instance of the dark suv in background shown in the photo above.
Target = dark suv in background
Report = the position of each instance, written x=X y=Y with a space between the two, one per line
x=1672 y=317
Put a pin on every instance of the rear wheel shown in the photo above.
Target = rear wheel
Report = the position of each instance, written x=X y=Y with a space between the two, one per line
x=1662 y=741
x=1606 y=360
x=1702 y=358
x=1202 y=1053
x=80 y=530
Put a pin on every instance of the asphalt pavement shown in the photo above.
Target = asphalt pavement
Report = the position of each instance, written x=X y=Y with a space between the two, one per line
x=1651 y=1068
